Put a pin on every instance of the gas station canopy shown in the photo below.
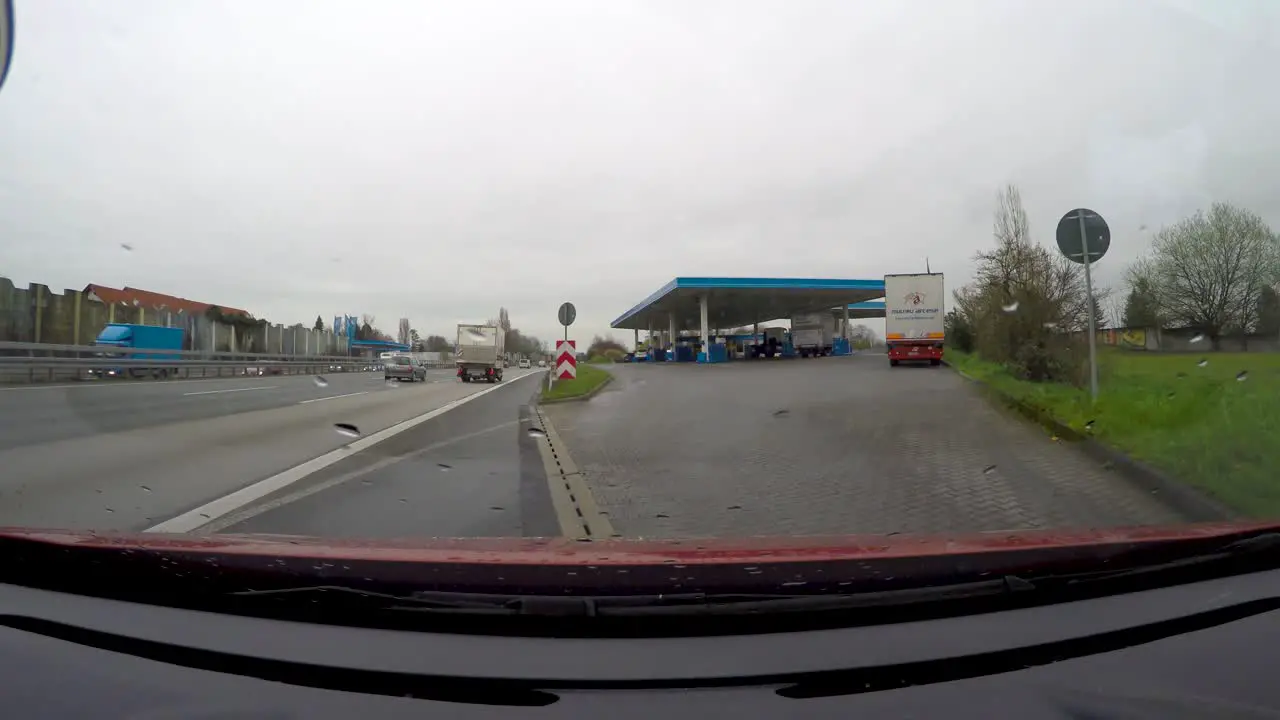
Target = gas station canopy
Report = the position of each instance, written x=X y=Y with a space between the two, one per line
x=865 y=310
x=740 y=302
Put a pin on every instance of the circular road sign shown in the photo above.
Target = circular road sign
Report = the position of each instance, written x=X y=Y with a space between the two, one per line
x=567 y=314
x=1095 y=228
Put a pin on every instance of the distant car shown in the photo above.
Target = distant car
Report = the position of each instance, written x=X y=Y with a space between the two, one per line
x=404 y=368
x=525 y=364
x=542 y=363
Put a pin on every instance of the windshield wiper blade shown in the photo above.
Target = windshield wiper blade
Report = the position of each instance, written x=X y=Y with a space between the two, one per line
x=646 y=604
x=1242 y=554
x=1234 y=556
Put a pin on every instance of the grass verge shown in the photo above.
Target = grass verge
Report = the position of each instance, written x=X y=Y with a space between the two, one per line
x=589 y=378
x=1187 y=415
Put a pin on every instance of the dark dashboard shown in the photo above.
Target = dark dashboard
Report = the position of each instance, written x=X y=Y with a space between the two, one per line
x=1206 y=649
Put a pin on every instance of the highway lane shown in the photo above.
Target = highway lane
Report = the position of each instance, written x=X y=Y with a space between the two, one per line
x=34 y=414
x=135 y=478
x=475 y=471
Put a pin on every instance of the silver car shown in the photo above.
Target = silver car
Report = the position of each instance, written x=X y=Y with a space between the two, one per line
x=404 y=368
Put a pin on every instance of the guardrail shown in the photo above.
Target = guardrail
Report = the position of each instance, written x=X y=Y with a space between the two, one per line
x=39 y=362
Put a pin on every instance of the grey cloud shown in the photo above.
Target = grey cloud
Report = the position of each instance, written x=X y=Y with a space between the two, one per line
x=437 y=160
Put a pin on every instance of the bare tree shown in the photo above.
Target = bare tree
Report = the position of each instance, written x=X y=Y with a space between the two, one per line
x=1025 y=299
x=1209 y=271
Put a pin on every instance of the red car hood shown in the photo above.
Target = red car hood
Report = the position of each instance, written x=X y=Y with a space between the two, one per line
x=563 y=551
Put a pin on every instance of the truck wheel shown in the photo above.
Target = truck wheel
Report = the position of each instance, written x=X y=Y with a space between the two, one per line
x=893 y=363
x=935 y=362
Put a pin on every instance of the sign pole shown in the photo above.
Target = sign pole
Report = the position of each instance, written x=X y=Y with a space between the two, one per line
x=566 y=315
x=1093 y=322
x=1073 y=235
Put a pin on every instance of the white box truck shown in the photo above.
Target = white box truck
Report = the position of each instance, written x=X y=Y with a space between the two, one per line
x=913 y=317
x=812 y=334
x=480 y=353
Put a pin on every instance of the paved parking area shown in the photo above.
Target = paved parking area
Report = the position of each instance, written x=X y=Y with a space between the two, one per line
x=830 y=445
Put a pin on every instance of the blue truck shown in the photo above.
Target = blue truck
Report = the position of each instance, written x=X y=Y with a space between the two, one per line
x=123 y=337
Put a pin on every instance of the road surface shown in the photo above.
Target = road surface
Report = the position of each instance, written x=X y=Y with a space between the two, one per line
x=135 y=456
x=827 y=446
x=783 y=447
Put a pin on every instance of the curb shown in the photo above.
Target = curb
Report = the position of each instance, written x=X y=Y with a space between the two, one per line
x=576 y=510
x=579 y=398
x=1184 y=499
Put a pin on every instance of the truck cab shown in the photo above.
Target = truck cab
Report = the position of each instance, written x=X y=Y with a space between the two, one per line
x=121 y=338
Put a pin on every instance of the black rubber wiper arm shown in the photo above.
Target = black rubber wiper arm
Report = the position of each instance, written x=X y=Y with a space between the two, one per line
x=648 y=604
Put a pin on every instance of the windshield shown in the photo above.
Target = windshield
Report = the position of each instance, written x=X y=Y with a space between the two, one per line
x=114 y=334
x=705 y=276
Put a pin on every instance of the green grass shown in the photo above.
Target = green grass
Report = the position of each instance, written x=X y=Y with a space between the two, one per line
x=1199 y=424
x=589 y=378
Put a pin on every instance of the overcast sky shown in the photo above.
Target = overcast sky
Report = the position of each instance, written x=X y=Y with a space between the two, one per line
x=435 y=160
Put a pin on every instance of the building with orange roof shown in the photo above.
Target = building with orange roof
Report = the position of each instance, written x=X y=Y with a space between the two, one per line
x=153 y=300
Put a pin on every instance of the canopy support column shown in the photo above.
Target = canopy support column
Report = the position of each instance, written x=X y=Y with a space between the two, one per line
x=703 y=329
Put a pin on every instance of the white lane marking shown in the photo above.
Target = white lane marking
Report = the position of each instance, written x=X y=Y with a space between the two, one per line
x=249 y=513
x=230 y=390
x=192 y=519
x=333 y=397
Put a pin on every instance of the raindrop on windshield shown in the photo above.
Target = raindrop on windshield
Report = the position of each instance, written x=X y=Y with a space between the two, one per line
x=537 y=432
x=1050 y=325
x=347 y=429
x=1242 y=376
x=443 y=467
x=145 y=488
x=126 y=246
x=1197 y=338
x=1011 y=307
x=662 y=515
x=780 y=413
x=734 y=507
x=1089 y=426
x=320 y=381
x=988 y=469
x=1202 y=363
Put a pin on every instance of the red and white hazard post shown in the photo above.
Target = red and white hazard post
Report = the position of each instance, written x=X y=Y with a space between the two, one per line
x=566 y=360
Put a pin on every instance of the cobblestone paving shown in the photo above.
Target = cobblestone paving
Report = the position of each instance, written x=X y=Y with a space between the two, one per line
x=829 y=445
